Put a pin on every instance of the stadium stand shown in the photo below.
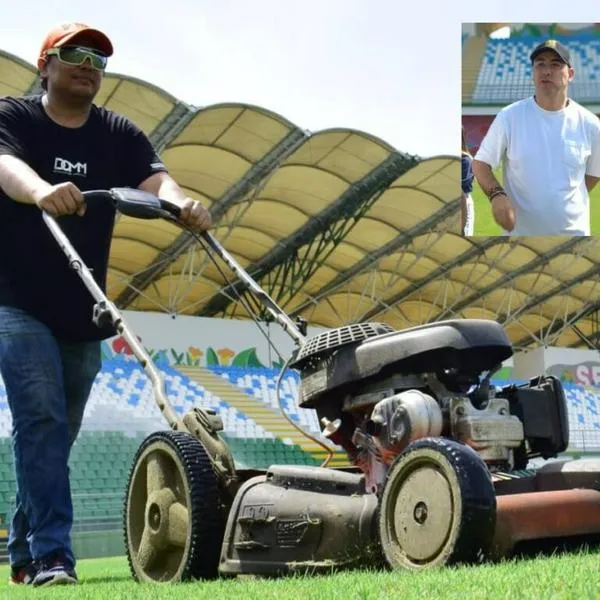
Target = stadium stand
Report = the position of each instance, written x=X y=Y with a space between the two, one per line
x=583 y=412
x=261 y=384
x=584 y=418
x=126 y=379
x=121 y=412
x=251 y=442
x=505 y=73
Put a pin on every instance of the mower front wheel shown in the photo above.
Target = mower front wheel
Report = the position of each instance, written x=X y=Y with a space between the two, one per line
x=172 y=520
x=437 y=507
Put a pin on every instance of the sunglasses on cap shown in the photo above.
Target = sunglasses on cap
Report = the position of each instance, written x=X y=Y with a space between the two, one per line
x=76 y=56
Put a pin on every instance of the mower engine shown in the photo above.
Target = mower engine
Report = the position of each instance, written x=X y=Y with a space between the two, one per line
x=384 y=431
x=432 y=443
x=435 y=452
x=376 y=391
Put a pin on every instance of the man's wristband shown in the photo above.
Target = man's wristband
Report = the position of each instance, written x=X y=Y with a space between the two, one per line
x=495 y=192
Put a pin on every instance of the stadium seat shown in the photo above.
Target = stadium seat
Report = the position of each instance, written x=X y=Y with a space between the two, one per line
x=260 y=383
x=505 y=73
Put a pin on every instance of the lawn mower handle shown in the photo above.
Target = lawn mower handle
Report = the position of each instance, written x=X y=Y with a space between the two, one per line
x=143 y=205
x=276 y=312
x=105 y=312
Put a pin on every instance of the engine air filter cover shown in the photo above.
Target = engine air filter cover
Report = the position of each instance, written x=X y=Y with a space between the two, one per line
x=316 y=347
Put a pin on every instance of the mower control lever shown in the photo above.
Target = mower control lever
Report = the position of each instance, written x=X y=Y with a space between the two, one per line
x=136 y=203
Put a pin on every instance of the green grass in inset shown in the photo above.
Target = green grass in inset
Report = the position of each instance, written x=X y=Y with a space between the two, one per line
x=486 y=226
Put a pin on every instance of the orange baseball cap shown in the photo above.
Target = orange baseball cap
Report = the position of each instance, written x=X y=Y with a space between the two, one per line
x=70 y=33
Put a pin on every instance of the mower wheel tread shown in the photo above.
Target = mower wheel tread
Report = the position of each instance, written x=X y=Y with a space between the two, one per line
x=471 y=497
x=204 y=510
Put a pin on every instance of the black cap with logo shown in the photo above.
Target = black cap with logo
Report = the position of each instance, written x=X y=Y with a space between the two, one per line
x=556 y=47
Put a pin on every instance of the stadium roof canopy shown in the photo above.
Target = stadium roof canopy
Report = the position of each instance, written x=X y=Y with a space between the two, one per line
x=337 y=225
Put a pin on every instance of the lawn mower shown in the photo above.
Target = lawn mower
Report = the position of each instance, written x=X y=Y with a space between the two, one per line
x=438 y=454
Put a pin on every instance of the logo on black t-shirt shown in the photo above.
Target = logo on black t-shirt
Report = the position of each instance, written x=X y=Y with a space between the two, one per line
x=62 y=165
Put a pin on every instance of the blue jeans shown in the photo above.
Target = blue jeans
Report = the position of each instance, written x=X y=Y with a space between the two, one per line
x=48 y=382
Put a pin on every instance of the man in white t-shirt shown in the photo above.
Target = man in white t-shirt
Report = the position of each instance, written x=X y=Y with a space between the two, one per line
x=549 y=147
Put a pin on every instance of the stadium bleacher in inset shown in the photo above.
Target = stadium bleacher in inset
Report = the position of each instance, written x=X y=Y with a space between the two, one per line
x=505 y=74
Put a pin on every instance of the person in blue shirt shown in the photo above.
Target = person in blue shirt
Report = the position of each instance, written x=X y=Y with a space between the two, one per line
x=467 y=211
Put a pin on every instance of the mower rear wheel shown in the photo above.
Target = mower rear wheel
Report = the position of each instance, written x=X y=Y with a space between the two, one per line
x=172 y=519
x=437 y=507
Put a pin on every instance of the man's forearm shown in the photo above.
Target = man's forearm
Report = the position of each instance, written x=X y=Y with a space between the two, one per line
x=169 y=190
x=164 y=186
x=19 y=181
x=590 y=182
x=485 y=177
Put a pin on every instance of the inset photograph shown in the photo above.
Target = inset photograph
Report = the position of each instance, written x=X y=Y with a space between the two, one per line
x=530 y=129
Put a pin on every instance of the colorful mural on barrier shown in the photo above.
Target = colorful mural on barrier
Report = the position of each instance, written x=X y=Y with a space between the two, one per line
x=191 y=357
x=586 y=374
x=199 y=342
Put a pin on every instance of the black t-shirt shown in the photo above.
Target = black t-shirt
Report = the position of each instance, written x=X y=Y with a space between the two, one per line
x=108 y=151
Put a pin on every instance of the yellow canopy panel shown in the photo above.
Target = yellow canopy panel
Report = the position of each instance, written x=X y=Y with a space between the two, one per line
x=372 y=233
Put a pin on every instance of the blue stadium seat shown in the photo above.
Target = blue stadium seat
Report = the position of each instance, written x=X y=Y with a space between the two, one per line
x=122 y=401
x=505 y=74
x=261 y=383
x=583 y=412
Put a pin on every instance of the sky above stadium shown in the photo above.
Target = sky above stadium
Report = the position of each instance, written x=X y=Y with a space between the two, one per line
x=386 y=67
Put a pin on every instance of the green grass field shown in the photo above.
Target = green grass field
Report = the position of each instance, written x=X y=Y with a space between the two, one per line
x=486 y=226
x=574 y=576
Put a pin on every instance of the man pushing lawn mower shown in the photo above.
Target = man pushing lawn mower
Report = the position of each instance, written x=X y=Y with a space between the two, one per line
x=53 y=147
x=435 y=448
